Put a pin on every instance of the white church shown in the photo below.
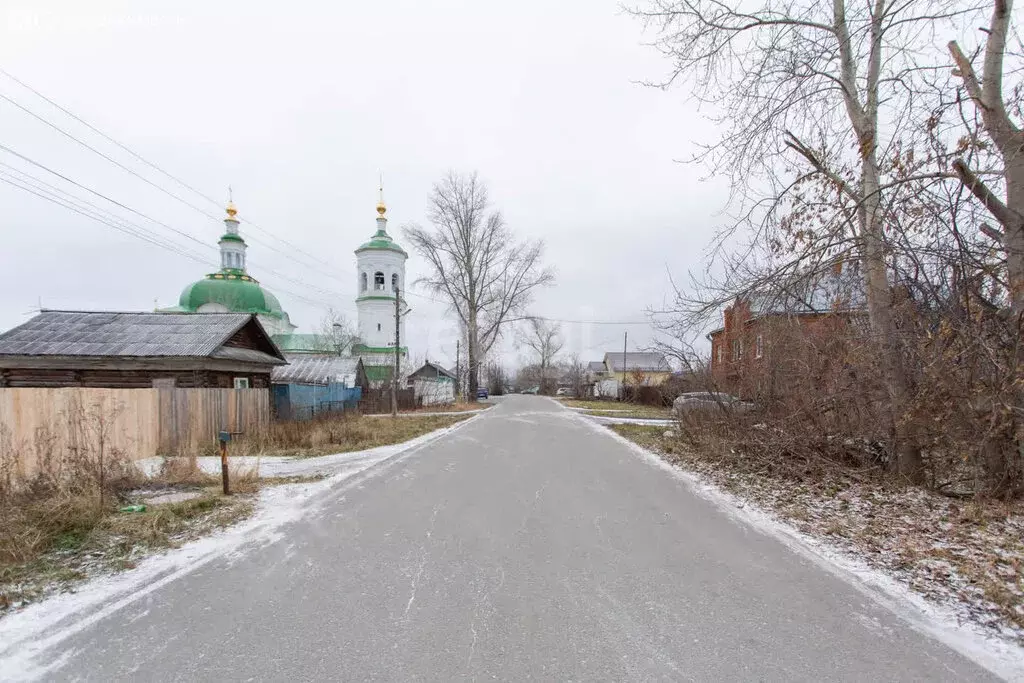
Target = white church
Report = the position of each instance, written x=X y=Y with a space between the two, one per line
x=380 y=275
x=380 y=279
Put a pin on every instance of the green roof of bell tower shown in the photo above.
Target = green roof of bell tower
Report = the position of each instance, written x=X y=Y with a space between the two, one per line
x=381 y=239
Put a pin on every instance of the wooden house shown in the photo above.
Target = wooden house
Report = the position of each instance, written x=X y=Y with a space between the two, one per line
x=138 y=350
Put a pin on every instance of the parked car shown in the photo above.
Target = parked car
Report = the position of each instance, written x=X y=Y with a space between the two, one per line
x=708 y=400
x=481 y=392
x=531 y=390
x=563 y=391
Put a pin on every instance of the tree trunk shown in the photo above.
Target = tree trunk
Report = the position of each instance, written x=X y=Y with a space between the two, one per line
x=472 y=342
x=881 y=316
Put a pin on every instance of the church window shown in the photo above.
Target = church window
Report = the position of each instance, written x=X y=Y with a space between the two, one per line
x=378 y=281
x=362 y=282
x=378 y=327
x=394 y=282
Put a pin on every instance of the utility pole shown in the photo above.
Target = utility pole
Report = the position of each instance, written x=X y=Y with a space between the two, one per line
x=622 y=384
x=458 y=376
x=398 y=345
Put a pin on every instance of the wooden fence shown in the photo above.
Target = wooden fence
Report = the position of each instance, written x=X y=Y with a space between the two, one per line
x=379 y=400
x=140 y=423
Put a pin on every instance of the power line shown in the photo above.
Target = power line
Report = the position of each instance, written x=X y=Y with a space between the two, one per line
x=99 y=194
x=139 y=213
x=148 y=163
x=545 y=318
x=128 y=228
x=106 y=137
x=97 y=217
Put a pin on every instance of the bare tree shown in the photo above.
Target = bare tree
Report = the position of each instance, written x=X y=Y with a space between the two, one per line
x=576 y=373
x=484 y=274
x=986 y=93
x=824 y=93
x=1002 y=195
x=545 y=339
x=336 y=333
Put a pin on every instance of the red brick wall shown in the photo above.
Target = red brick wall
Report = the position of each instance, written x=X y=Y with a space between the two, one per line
x=786 y=343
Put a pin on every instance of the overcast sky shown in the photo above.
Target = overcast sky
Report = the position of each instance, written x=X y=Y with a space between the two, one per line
x=299 y=105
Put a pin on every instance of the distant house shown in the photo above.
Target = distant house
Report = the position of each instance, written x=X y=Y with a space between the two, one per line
x=138 y=350
x=312 y=384
x=798 y=321
x=637 y=367
x=432 y=384
x=321 y=369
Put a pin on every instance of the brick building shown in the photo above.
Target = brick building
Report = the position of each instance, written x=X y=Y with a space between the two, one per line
x=770 y=337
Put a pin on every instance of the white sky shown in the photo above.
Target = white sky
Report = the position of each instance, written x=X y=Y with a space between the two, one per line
x=299 y=105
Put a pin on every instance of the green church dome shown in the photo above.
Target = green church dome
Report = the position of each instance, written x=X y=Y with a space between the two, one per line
x=381 y=240
x=236 y=291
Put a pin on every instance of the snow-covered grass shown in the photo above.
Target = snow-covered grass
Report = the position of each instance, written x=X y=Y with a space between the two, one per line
x=951 y=567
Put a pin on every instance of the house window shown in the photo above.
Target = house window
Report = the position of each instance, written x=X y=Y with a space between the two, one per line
x=394 y=282
x=737 y=349
x=241 y=383
x=378 y=281
x=759 y=346
x=719 y=348
x=362 y=282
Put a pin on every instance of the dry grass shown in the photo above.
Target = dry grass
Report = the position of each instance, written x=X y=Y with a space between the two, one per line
x=63 y=523
x=618 y=409
x=637 y=412
x=340 y=434
x=449 y=408
x=595 y=405
x=77 y=543
x=967 y=552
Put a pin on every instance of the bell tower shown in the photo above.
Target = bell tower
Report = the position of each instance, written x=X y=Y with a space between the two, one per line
x=380 y=273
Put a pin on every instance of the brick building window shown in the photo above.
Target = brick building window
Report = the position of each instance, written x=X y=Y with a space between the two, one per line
x=720 y=354
x=737 y=349
x=759 y=346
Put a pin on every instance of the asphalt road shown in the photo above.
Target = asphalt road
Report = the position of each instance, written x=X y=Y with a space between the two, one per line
x=526 y=545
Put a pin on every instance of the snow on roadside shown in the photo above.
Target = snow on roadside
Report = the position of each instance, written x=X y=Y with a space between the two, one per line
x=28 y=633
x=949 y=622
x=290 y=466
x=643 y=421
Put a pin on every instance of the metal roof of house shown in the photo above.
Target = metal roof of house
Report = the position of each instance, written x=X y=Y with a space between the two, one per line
x=643 y=361
x=131 y=335
x=308 y=368
x=812 y=292
x=444 y=371
x=373 y=359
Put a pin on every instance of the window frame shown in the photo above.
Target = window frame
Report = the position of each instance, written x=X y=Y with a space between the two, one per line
x=380 y=286
x=759 y=346
x=363 y=282
x=240 y=383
